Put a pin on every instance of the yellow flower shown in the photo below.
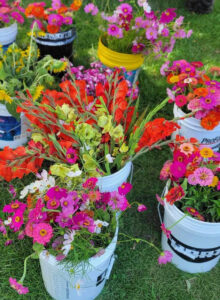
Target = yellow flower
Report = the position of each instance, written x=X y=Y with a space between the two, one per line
x=58 y=66
x=38 y=91
x=214 y=181
x=206 y=152
x=41 y=33
x=5 y=97
x=124 y=148
x=30 y=33
x=174 y=79
x=77 y=2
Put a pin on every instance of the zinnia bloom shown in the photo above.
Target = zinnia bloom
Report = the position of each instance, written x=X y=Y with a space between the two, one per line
x=42 y=233
x=206 y=152
x=180 y=100
x=90 y=183
x=141 y=207
x=175 y=194
x=18 y=286
x=71 y=156
x=165 y=257
x=208 y=102
x=165 y=230
x=168 y=15
x=204 y=176
x=125 y=188
x=192 y=179
x=195 y=213
x=178 y=169
x=186 y=148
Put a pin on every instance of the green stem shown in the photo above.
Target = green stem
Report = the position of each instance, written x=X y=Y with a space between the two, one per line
x=177 y=222
x=25 y=269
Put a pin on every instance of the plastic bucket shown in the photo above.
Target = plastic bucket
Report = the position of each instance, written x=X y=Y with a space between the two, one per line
x=8 y=35
x=13 y=133
x=58 y=45
x=111 y=183
x=190 y=127
x=61 y=283
x=195 y=244
x=113 y=59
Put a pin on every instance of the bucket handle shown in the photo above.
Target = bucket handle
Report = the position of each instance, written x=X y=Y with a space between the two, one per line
x=132 y=173
x=114 y=256
x=159 y=205
x=2 y=131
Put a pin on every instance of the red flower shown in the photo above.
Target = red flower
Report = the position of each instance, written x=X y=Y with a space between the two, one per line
x=175 y=194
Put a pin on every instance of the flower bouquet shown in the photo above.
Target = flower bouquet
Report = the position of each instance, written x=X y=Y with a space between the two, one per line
x=192 y=207
x=10 y=14
x=54 y=27
x=194 y=91
x=102 y=132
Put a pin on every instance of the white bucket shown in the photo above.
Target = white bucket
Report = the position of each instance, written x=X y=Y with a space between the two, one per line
x=195 y=244
x=13 y=133
x=190 y=127
x=111 y=182
x=8 y=35
x=91 y=276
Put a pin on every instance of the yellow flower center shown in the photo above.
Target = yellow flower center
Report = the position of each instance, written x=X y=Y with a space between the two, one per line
x=43 y=232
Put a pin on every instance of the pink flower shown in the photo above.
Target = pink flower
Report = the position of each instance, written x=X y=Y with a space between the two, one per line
x=165 y=171
x=180 y=100
x=204 y=176
x=4 y=18
x=56 y=4
x=168 y=15
x=118 y=201
x=165 y=32
x=113 y=30
x=12 y=190
x=8 y=242
x=71 y=156
x=91 y=8
x=63 y=220
x=178 y=169
x=42 y=233
x=53 y=203
x=90 y=183
x=189 y=33
x=186 y=148
x=192 y=179
x=194 y=104
x=137 y=48
x=151 y=33
x=39 y=24
x=60 y=257
x=81 y=219
x=195 y=213
x=125 y=9
x=14 y=206
x=165 y=230
x=208 y=102
x=18 y=286
x=94 y=196
x=29 y=228
x=178 y=22
x=124 y=188
x=67 y=21
x=180 y=34
x=164 y=68
x=141 y=207
x=165 y=257
x=55 y=19
x=17 y=221
x=159 y=199
x=17 y=17
x=180 y=157
x=56 y=192
x=218 y=186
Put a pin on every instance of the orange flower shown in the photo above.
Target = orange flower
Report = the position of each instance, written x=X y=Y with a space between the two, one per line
x=62 y=10
x=53 y=28
x=38 y=11
x=28 y=10
x=201 y=92
x=211 y=120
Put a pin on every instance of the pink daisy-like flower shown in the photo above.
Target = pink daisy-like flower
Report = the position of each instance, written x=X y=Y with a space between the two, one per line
x=200 y=114
x=125 y=188
x=113 y=30
x=12 y=190
x=141 y=207
x=165 y=230
x=125 y=9
x=53 y=203
x=94 y=196
x=118 y=201
x=42 y=233
x=168 y=15
x=38 y=23
x=194 y=104
x=29 y=228
x=204 y=176
x=180 y=157
x=178 y=169
x=17 y=221
x=151 y=33
x=17 y=17
x=180 y=100
x=218 y=186
x=56 y=193
x=208 y=102
x=63 y=220
x=192 y=179
x=4 y=18
x=18 y=286
x=165 y=257
x=67 y=21
x=55 y=19
x=14 y=206
x=8 y=242
x=71 y=156
x=165 y=171
x=186 y=148
x=56 y=4
x=90 y=183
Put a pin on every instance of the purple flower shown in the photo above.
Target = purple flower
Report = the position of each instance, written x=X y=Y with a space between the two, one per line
x=113 y=30
x=63 y=220
x=151 y=33
x=71 y=156
x=53 y=203
x=125 y=188
x=192 y=179
x=8 y=242
x=204 y=176
x=91 y=8
x=55 y=19
x=125 y=9
x=178 y=169
x=178 y=22
x=165 y=257
x=12 y=190
x=141 y=207
x=67 y=21
x=208 y=102
x=164 y=68
x=118 y=201
x=180 y=34
x=165 y=32
x=168 y=15
x=189 y=33
x=17 y=17
x=56 y=4
x=4 y=18
x=56 y=193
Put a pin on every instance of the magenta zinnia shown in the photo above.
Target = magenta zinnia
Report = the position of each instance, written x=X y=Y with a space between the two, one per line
x=18 y=286
x=165 y=257
x=42 y=233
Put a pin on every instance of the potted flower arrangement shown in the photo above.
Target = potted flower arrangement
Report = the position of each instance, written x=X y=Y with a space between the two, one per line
x=21 y=70
x=191 y=228
x=134 y=31
x=56 y=31
x=10 y=14
x=194 y=91
x=104 y=131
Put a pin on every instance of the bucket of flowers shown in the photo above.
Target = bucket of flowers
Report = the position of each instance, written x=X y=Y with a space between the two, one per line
x=20 y=70
x=194 y=91
x=56 y=31
x=10 y=14
x=135 y=31
x=191 y=223
x=103 y=130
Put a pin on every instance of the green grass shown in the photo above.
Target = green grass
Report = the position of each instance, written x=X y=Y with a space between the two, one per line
x=136 y=274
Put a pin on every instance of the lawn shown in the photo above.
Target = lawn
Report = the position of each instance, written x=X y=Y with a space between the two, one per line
x=136 y=274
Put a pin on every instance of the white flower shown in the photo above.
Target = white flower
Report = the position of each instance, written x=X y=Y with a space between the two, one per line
x=109 y=158
x=99 y=224
x=8 y=221
x=146 y=7
x=24 y=192
x=69 y=237
x=188 y=80
x=43 y=175
x=85 y=205
x=66 y=249
x=72 y=174
x=161 y=27
x=78 y=286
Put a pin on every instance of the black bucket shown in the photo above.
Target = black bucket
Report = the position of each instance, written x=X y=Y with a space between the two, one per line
x=58 y=45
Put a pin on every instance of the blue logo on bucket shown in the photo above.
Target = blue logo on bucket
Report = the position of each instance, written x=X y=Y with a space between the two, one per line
x=9 y=128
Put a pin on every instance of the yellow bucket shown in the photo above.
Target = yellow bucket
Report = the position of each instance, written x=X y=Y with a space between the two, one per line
x=113 y=59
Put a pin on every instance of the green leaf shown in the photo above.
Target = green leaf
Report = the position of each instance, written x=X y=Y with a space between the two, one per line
x=38 y=248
